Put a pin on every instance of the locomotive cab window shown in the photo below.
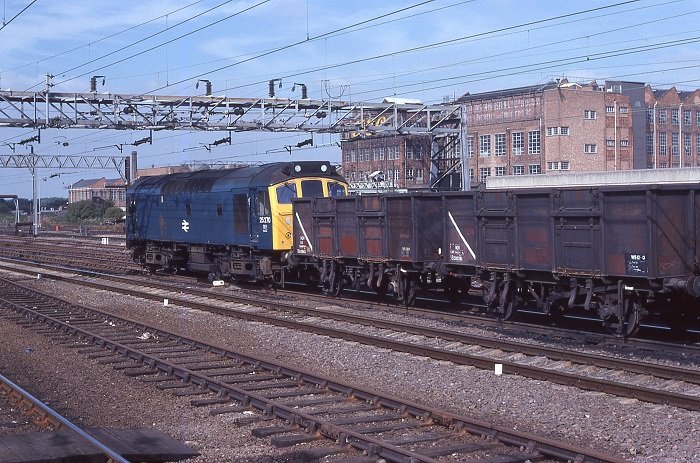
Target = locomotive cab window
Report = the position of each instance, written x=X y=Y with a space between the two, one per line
x=335 y=189
x=219 y=209
x=311 y=188
x=188 y=209
x=286 y=192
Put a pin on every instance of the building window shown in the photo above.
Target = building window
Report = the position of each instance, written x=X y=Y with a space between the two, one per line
x=375 y=154
x=697 y=118
x=623 y=110
x=590 y=148
x=500 y=171
x=409 y=151
x=650 y=115
x=353 y=156
x=470 y=146
x=610 y=109
x=397 y=172
x=419 y=175
x=663 y=145
x=518 y=170
x=610 y=143
x=686 y=144
x=662 y=116
x=697 y=144
x=625 y=143
x=347 y=156
x=533 y=142
x=558 y=165
x=557 y=131
x=674 y=116
x=563 y=130
x=500 y=144
x=687 y=115
x=518 y=142
x=409 y=174
x=381 y=153
x=418 y=152
x=484 y=172
x=471 y=175
x=534 y=169
x=484 y=145
x=650 y=142
x=589 y=114
x=674 y=144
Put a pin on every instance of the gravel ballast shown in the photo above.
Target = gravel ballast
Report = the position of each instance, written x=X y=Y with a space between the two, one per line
x=637 y=431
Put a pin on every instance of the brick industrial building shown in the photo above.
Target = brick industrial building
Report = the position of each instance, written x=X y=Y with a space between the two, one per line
x=558 y=126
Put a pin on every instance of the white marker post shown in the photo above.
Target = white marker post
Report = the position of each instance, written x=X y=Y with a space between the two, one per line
x=498 y=369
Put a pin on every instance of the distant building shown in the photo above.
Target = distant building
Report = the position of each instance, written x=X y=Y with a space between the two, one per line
x=557 y=126
x=113 y=190
x=386 y=163
x=670 y=125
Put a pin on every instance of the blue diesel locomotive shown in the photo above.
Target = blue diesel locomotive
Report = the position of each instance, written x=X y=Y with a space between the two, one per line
x=226 y=222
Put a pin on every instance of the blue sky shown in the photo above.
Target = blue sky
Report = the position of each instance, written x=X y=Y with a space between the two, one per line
x=357 y=51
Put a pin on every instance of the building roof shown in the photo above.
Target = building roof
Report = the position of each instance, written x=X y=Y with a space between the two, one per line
x=507 y=92
x=92 y=183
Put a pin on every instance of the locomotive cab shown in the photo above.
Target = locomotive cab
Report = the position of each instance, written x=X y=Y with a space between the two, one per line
x=281 y=202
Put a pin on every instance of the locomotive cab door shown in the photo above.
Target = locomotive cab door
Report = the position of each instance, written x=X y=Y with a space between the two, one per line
x=261 y=219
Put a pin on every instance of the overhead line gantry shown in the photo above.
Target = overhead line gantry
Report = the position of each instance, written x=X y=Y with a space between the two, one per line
x=93 y=110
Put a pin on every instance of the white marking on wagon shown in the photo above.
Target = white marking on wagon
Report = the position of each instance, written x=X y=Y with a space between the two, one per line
x=303 y=230
x=464 y=240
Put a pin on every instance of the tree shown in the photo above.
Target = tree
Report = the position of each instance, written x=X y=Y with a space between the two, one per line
x=85 y=211
x=113 y=214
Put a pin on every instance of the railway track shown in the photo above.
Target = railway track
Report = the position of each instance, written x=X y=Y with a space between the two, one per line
x=651 y=382
x=307 y=407
x=93 y=256
x=44 y=417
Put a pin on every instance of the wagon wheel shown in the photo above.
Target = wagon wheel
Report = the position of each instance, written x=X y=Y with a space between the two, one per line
x=621 y=321
x=508 y=301
x=382 y=288
x=338 y=285
x=409 y=290
x=507 y=310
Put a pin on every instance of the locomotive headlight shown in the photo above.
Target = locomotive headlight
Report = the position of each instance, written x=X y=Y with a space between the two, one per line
x=324 y=168
x=297 y=168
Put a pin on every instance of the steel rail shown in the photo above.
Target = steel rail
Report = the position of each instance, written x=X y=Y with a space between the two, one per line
x=51 y=417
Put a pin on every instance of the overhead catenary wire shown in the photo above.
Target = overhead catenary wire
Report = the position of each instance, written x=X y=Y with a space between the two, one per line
x=5 y=24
